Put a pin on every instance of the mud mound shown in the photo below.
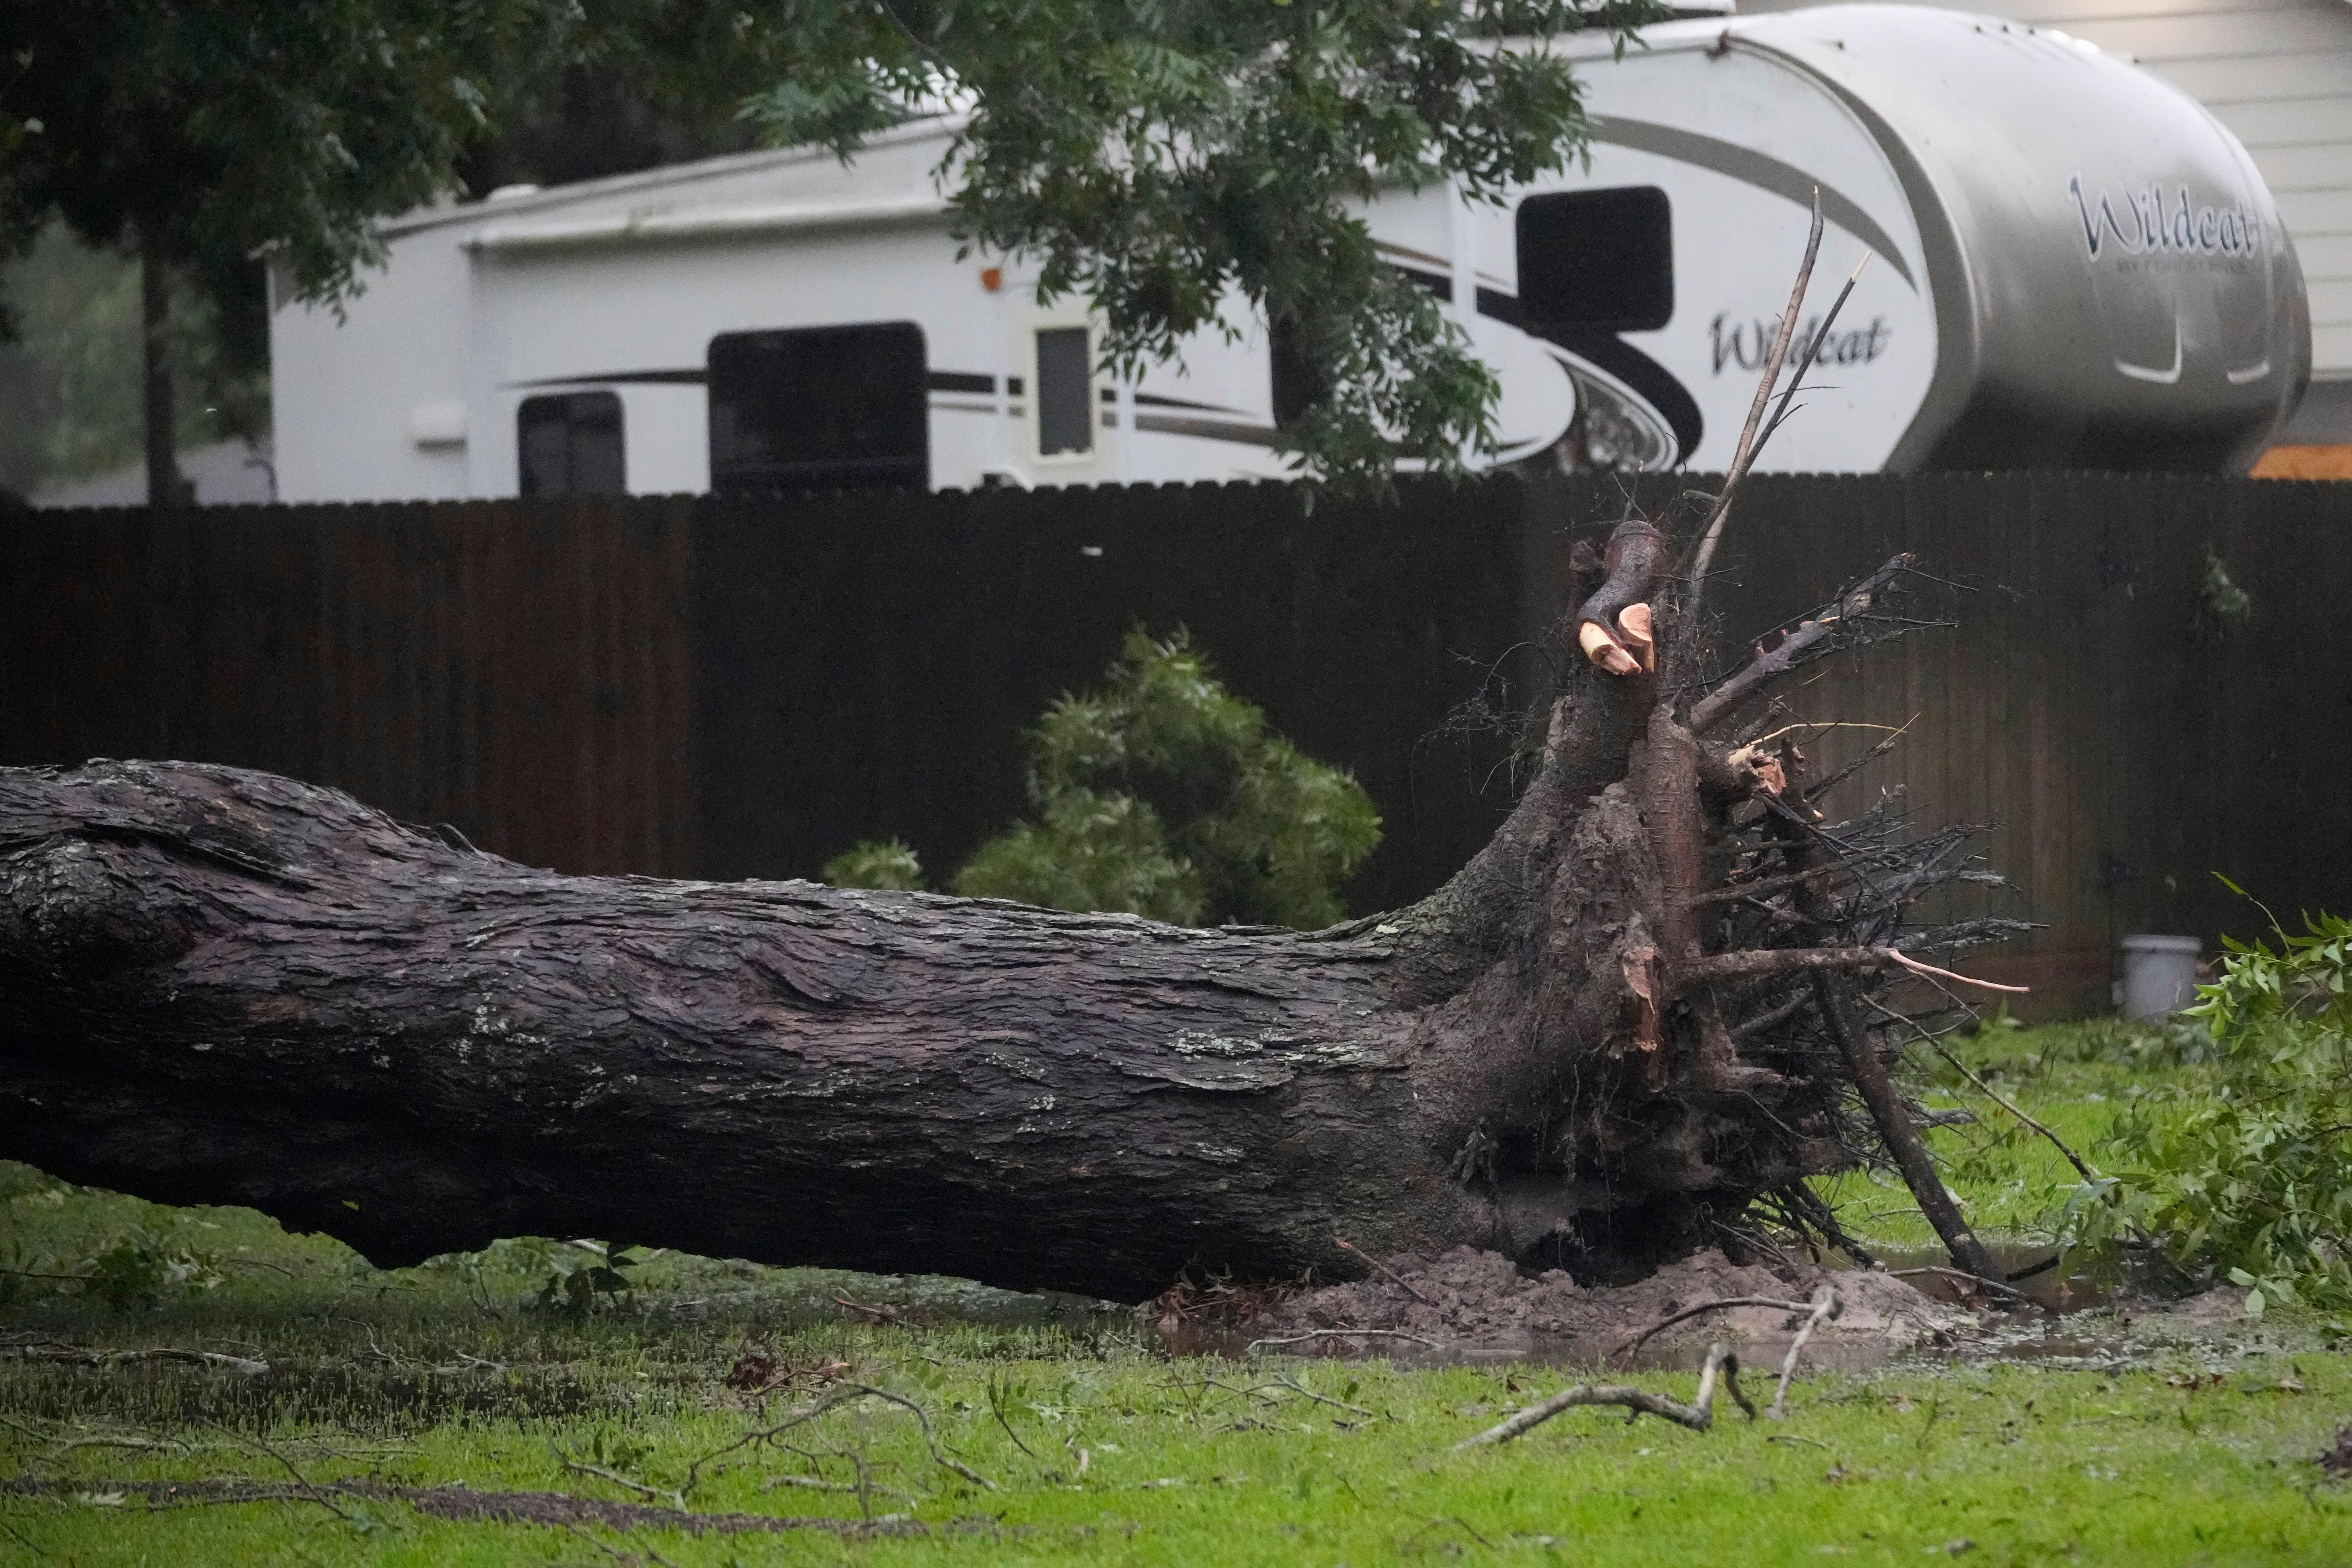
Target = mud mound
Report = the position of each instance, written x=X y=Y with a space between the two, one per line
x=1480 y=1297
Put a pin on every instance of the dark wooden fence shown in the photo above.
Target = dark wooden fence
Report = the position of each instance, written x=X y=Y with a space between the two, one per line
x=691 y=687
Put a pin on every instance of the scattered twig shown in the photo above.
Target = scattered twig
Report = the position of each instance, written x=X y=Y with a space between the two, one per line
x=654 y=1494
x=1638 y=1341
x=1964 y=1277
x=302 y=1480
x=1916 y=967
x=1767 y=668
x=806 y=1483
x=1698 y=1414
x=648 y=1555
x=843 y=1393
x=1343 y=1334
x=79 y=1356
x=27 y=1542
x=1826 y=1305
x=997 y=1396
x=1748 y=962
x=1400 y=1280
x=879 y=1314
x=1998 y=1099
x=1298 y=1387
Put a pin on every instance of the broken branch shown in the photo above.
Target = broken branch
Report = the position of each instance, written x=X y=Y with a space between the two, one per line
x=1344 y=1335
x=1826 y=1305
x=1698 y=1414
x=1745 y=453
x=1396 y=1279
x=1638 y=1341
x=1752 y=962
x=1766 y=669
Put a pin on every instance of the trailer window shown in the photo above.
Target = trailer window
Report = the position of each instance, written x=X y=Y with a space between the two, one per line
x=1601 y=260
x=569 y=445
x=1065 y=393
x=819 y=408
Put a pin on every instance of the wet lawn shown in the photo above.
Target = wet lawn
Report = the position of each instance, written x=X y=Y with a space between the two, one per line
x=720 y=1413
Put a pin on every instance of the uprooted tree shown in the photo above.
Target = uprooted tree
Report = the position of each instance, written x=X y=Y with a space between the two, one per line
x=1652 y=1000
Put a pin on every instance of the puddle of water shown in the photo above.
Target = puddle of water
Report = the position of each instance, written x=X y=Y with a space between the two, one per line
x=2053 y=1291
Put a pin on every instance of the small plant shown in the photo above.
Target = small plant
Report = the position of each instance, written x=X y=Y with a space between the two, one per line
x=1163 y=794
x=890 y=864
x=2250 y=1172
x=139 y=1268
x=573 y=1283
x=2222 y=607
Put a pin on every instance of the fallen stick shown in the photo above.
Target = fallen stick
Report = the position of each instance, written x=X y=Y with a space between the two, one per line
x=1400 y=1280
x=1826 y=1305
x=1638 y=1341
x=1344 y=1335
x=1964 y=1277
x=1698 y=1414
x=1994 y=1095
x=78 y=1355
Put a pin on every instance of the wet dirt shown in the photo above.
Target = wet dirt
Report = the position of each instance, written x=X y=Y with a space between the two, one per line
x=1472 y=1307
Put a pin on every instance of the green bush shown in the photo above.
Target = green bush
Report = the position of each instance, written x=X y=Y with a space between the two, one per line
x=2246 y=1168
x=890 y=864
x=1164 y=794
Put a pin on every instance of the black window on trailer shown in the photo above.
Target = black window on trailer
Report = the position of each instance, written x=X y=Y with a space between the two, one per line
x=1603 y=259
x=569 y=444
x=1065 y=393
x=819 y=408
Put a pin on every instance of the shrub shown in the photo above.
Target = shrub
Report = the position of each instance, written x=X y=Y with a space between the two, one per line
x=2245 y=1169
x=890 y=864
x=1164 y=794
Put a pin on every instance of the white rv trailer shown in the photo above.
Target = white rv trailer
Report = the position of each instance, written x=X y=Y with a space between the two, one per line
x=2071 y=263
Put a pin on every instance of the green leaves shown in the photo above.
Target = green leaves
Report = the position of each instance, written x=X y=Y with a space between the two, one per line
x=889 y=864
x=1163 y=794
x=1166 y=795
x=1201 y=166
x=1188 y=166
x=2251 y=1170
x=218 y=129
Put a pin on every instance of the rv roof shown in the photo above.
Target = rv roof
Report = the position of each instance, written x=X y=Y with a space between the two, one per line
x=665 y=177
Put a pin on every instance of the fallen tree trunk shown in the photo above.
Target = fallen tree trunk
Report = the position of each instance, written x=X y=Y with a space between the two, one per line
x=223 y=986
x=1622 y=1024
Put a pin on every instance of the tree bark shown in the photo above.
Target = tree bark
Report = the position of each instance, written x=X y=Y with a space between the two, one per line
x=223 y=986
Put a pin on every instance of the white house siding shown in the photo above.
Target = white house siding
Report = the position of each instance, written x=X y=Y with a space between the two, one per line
x=2278 y=73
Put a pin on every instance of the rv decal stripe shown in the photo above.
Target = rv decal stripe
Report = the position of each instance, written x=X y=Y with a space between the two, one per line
x=1753 y=168
x=621 y=378
x=1605 y=350
x=1207 y=429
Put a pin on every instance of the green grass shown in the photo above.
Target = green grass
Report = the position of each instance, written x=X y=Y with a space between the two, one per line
x=2077 y=1079
x=1101 y=1449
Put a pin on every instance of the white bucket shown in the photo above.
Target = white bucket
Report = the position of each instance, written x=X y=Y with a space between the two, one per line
x=2159 y=976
